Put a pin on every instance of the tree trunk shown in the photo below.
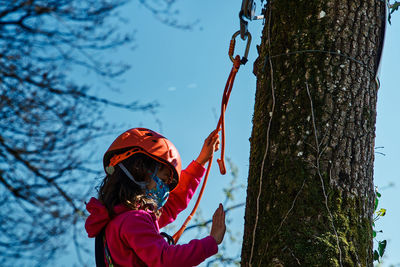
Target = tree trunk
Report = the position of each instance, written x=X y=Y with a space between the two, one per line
x=310 y=195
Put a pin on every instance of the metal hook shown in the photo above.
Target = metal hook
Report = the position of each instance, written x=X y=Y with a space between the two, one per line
x=232 y=47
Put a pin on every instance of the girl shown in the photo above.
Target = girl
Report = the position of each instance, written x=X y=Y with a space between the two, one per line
x=143 y=191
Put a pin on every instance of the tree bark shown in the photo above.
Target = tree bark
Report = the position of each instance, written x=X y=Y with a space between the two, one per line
x=310 y=195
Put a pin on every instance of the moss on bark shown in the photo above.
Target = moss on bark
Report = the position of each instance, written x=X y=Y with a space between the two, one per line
x=318 y=72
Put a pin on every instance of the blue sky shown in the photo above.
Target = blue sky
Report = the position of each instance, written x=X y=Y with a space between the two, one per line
x=387 y=136
x=186 y=71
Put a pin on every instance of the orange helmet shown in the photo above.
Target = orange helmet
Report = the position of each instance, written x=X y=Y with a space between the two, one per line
x=148 y=142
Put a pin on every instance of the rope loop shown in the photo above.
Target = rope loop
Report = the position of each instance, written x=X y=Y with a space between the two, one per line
x=220 y=126
x=237 y=61
x=224 y=104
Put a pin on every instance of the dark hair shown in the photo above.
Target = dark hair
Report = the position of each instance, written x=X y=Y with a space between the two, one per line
x=117 y=188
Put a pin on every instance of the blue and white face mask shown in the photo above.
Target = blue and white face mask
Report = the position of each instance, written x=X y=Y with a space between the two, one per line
x=160 y=193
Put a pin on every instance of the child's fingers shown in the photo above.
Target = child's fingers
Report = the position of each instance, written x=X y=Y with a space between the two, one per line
x=215 y=137
x=220 y=214
x=210 y=137
x=211 y=141
x=218 y=227
x=213 y=133
x=217 y=213
x=215 y=140
x=216 y=145
x=216 y=130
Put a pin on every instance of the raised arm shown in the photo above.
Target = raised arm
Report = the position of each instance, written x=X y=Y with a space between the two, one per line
x=189 y=181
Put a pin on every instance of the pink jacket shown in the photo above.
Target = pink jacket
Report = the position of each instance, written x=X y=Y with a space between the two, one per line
x=133 y=236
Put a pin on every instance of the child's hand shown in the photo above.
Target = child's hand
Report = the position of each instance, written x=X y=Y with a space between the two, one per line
x=211 y=144
x=218 y=225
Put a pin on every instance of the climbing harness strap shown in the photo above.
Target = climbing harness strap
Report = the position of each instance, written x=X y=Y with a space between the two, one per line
x=107 y=252
x=237 y=61
x=102 y=251
x=99 y=250
x=168 y=238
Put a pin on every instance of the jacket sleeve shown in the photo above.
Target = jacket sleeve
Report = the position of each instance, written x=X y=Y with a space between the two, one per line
x=140 y=233
x=179 y=198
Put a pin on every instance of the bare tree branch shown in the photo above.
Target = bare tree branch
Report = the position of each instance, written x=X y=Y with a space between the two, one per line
x=50 y=120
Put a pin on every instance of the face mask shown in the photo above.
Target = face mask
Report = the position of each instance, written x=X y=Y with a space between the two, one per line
x=160 y=193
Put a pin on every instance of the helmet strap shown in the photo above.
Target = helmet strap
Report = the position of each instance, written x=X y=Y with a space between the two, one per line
x=130 y=176
x=155 y=171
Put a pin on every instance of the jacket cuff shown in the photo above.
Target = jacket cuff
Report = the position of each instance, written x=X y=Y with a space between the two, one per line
x=210 y=246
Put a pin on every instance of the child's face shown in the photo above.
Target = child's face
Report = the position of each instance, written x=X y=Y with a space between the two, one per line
x=164 y=173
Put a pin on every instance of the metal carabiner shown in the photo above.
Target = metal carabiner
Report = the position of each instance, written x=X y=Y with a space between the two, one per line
x=232 y=47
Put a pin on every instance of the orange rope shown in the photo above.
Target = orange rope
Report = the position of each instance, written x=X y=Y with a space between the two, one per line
x=224 y=104
x=221 y=122
x=232 y=47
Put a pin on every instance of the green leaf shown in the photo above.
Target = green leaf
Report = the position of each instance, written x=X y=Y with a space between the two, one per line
x=382 y=247
x=376 y=203
x=374 y=233
x=381 y=212
x=376 y=255
x=378 y=194
x=394 y=7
